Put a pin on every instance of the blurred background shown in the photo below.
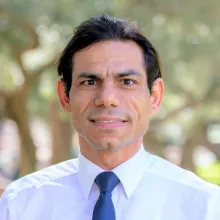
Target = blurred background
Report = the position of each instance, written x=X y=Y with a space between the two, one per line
x=35 y=133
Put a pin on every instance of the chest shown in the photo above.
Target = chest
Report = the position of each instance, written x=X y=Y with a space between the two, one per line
x=142 y=205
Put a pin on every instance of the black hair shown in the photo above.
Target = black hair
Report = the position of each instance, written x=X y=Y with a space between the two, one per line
x=103 y=28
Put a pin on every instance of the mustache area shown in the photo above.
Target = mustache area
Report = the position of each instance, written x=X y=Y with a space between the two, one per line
x=110 y=114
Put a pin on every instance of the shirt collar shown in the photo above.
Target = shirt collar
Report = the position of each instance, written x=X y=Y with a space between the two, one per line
x=87 y=172
x=126 y=171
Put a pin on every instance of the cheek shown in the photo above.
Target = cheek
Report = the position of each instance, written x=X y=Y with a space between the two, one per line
x=79 y=104
x=140 y=107
x=139 y=104
x=143 y=110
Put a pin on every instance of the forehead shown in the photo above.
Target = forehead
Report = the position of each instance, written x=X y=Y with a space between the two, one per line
x=109 y=56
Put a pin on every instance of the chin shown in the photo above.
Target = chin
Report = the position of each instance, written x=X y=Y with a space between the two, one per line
x=108 y=145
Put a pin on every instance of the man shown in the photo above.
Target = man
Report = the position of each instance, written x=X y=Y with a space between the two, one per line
x=111 y=84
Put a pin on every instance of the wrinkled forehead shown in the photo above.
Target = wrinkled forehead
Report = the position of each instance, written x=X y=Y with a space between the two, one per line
x=109 y=57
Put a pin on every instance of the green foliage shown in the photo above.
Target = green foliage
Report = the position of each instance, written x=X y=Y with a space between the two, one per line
x=210 y=173
x=185 y=33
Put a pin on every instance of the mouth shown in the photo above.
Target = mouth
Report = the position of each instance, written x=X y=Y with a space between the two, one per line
x=108 y=123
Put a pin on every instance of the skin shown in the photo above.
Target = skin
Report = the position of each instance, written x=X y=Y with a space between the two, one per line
x=110 y=101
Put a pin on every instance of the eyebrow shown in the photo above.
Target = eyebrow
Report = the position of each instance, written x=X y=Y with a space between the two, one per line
x=128 y=73
x=89 y=75
x=117 y=75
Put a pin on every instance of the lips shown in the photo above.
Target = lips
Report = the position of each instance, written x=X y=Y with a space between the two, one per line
x=108 y=122
x=105 y=121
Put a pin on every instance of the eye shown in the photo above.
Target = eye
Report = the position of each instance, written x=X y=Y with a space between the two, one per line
x=89 y=82
x=128 y=82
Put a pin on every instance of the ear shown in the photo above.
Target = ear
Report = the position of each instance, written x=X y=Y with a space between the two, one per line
x=64 y=99
x=156 y=95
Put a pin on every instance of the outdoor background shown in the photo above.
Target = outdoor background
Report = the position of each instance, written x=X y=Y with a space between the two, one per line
x=34 y=132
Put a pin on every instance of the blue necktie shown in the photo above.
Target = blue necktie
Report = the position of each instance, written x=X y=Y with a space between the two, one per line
x=104 y=208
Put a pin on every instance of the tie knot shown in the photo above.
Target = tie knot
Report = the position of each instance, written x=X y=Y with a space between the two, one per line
x=107 y=181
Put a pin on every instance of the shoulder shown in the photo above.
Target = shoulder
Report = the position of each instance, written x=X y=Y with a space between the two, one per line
x=54 y=173
x=174 y=174
x=184 y=187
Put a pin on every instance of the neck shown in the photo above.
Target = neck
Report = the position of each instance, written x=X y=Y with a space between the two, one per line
x=108 y=160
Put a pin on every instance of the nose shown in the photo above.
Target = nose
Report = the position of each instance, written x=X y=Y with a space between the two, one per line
x=107 y=96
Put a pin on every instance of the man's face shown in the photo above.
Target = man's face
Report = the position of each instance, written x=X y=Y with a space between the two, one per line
x=109 y=99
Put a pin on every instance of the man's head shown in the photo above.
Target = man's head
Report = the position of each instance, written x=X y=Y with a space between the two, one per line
x=111 y=82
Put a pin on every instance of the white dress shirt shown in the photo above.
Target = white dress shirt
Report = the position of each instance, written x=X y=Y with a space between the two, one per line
x=151 y=188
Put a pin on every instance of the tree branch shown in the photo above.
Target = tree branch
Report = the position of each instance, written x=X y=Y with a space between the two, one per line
x=26 y=26
x=183 y=90
x=174 y=113
x=191 y=103
x=17 y=57
x=34 y=76
x=29 y=29
x=3 y=94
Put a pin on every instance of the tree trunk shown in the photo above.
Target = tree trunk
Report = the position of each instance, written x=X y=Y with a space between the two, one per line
x=16 y=108
x=153 y=144
x=62 y=132
x=187 y=155
x=193 y=140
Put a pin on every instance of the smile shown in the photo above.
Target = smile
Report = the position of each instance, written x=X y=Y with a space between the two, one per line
x=110 y=121
x=108 y=124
